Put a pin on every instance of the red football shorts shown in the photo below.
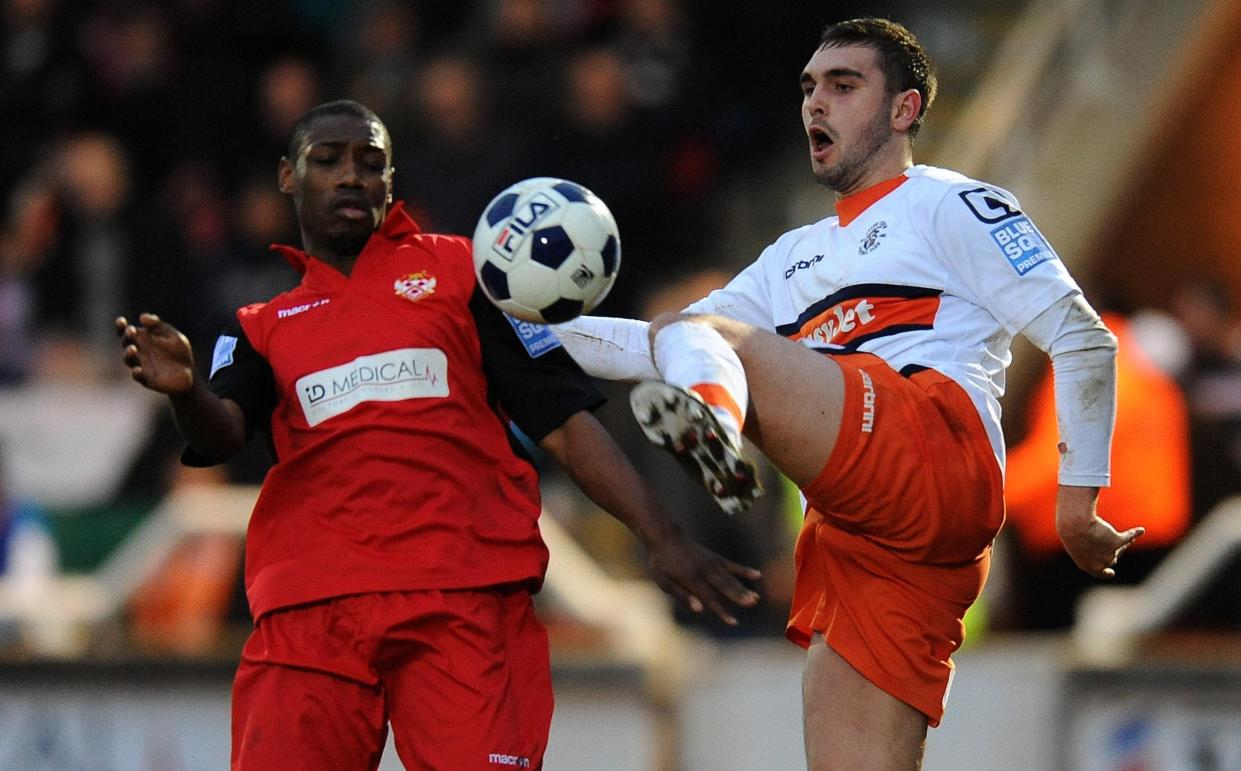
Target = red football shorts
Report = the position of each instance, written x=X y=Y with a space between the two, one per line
x=463 y=676
x=897 y=537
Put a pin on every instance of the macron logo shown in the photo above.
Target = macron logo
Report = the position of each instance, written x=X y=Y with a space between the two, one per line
x=284 y=313
x=516 y=761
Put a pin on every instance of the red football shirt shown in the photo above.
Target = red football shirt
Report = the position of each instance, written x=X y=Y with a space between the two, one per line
x=387 y=395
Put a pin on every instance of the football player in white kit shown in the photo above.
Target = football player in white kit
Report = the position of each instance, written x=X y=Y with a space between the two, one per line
x=864 y=355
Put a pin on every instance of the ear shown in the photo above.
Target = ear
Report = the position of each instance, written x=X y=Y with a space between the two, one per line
x=905 y=108
x=284 y=176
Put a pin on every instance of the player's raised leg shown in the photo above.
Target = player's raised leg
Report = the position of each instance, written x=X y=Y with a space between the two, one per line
x=850 y=723
x=788 y=400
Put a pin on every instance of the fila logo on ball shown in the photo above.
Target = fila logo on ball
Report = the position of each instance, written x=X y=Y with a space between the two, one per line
x=509 y=238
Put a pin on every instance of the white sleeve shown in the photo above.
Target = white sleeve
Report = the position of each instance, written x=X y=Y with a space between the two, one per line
x=745 y=298
x=1003 y=261
x=1083 y=358
x=609 y=348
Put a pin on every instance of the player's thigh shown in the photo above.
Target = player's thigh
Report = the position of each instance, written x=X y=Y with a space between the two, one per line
x=850 y=723
x=796 y=398
x=285 y=717
x=472 y=692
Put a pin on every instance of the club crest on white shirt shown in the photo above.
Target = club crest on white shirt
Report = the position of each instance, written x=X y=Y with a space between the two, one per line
x=870 y=242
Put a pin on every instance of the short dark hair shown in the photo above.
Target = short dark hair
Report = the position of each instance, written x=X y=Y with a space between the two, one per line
x=904 y=62
x=301 y=128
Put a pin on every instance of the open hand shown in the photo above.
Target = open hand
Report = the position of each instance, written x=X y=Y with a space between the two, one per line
x=1091 y=541
x=701 y=578
x=157 y=354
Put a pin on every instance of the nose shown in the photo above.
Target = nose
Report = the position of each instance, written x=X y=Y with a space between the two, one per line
x=350 y=175
x=815 y=104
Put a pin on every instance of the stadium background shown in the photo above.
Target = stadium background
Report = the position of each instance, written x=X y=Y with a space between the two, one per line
x=137 y=173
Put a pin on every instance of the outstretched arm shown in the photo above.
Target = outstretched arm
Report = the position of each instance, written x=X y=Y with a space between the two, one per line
x=681 y=567
x=161 y=359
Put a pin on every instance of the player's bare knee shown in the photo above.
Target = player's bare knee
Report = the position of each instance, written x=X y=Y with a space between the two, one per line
x=663 y=320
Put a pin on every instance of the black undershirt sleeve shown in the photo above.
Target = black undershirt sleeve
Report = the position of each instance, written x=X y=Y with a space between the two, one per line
x=529 y=374
x=244 y=376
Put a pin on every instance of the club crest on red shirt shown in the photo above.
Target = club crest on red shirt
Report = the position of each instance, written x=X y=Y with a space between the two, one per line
x=415 y=286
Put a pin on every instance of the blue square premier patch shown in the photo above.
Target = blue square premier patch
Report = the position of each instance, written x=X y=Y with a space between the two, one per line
x=537 y=338
x=223 y=354
x=1022 y=244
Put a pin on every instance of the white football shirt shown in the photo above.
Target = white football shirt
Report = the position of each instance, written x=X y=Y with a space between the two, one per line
x=932 y=269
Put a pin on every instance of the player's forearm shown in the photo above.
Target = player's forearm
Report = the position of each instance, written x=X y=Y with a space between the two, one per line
x=590 y=457
x=609 y=348
x=213 y=427
x=1086 y=414
x=1083 y=354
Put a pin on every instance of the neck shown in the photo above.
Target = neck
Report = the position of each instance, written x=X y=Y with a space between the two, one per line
x=341 y=262
x=886 y=164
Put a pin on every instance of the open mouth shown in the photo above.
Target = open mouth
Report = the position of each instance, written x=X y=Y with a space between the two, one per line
x=820 y=142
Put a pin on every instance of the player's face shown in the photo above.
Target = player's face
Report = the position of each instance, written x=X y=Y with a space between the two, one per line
x=341 y=183
x=846 y=111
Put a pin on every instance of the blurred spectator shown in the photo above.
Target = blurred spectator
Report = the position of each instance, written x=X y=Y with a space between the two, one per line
x=25 y=239
x=41 y=80
x=459 y=159
x=515 y=43
x=82 y=283
x=1212 y=383
x=286 y=88
x=378 y=60
x=1150 y=487
x=651 y=41
x=16 y=316
x=132 y=72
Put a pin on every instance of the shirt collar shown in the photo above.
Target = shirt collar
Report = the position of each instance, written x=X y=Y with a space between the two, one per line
x=851 y=207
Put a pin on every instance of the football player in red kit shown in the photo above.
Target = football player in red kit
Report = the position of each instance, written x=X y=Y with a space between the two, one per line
x=394 y=547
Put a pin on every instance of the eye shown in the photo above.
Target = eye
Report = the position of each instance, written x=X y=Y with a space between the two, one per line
x=844 y=88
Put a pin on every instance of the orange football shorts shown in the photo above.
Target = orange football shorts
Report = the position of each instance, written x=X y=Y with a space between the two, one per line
x=897 y=537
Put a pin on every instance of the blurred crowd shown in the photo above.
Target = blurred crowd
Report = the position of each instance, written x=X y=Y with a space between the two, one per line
x=141 y=137
x=137 y=172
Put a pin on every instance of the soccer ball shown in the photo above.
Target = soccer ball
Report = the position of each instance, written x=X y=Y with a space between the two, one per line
x=546 y=250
